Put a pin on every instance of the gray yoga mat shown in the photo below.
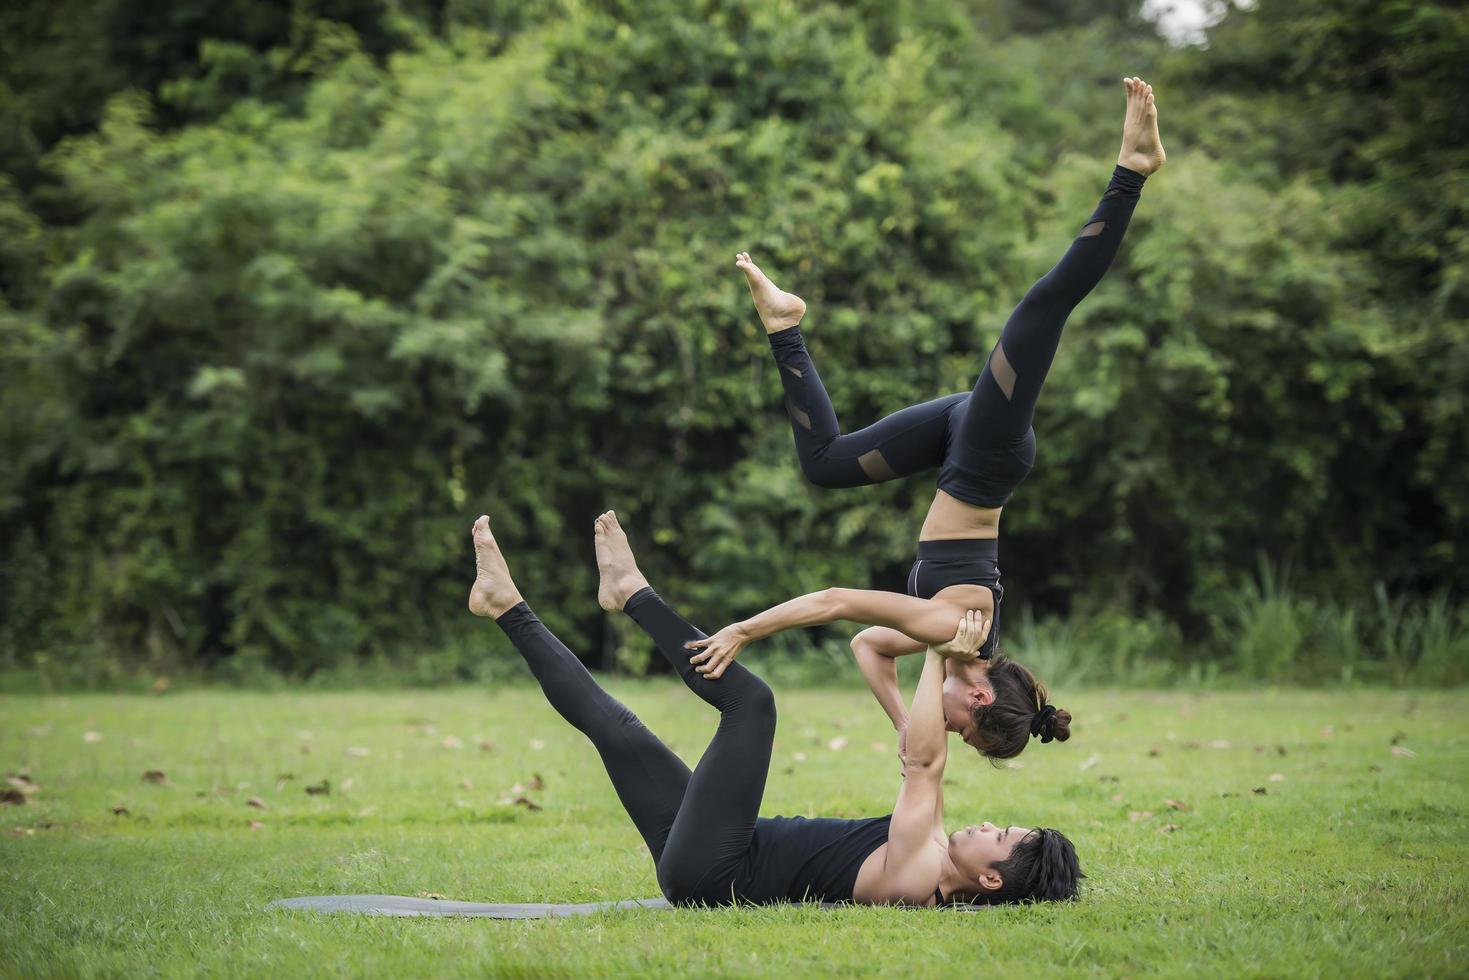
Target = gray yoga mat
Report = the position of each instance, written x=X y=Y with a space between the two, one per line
x=402 y=905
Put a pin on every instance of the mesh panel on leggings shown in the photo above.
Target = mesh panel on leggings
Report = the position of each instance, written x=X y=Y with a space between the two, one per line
x=800 y=416
x=876 y=466
x=1003 y=373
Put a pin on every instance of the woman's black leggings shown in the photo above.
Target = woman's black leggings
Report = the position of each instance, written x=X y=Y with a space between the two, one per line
x=983 y=439
x=697 y=825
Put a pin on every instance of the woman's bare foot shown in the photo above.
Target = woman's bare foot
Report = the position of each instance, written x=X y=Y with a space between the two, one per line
x=494 y=593
x=1142 y=147
x=620 y=575
x=778 y=310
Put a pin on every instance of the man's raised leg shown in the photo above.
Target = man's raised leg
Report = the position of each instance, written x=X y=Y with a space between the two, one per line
x=649 y=778
x=712 y=833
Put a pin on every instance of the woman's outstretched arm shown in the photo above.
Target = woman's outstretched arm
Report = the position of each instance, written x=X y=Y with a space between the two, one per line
x=925 y=620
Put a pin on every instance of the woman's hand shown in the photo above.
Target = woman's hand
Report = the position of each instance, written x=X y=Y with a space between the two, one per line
x=716 y=652
x=973 y=630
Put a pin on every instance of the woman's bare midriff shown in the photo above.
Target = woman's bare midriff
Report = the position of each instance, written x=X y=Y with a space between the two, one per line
x=951 y=519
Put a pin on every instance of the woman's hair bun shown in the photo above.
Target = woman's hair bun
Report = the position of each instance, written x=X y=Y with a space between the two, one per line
x=1051 y=724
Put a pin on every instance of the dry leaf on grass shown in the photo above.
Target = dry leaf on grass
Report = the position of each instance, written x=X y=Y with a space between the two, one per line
x=347 y=784
x=433 y=895
x=1403 y=752
x=1169 y=828
x=485 y=745
x=1176 y=805
x=155 y=776
x=1117 y=797
x=121 y=811
x=90 y=737
x=256 y=825
x=465 y=784
x=524 y=801
x=1276 y=777
x=255 y=802
x=22 y=782
x=319 y=789
x=358 y=751
x=536 y=782
x=1089 y=761
x=452 y=742
x=838 y=743
x=1258 y=791
x=1154 y=752
x=537 y=744
x=10 y=796
x=1138 y=815
x=1219 y=743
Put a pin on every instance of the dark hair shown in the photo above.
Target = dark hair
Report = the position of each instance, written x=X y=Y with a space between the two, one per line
x=1041 y=868
x=1003 y=727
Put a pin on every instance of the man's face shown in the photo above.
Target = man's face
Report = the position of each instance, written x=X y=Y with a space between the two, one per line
x=976 y=850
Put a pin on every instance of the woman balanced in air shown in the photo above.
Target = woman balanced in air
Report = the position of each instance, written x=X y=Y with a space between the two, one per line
x=983 y=446
x=703 y=828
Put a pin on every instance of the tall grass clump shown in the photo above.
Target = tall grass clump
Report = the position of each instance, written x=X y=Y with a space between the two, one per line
x=1266 y=631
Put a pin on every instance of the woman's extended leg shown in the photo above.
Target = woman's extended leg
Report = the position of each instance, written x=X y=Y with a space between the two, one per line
x=906 y=442
x=1003 y=401
x=649 y=778
x=711 y=835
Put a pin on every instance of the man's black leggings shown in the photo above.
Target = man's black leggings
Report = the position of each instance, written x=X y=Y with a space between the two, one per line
x=697 y=825
x=982 y=439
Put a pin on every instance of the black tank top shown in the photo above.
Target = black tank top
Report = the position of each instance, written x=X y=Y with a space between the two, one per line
x=801 y=859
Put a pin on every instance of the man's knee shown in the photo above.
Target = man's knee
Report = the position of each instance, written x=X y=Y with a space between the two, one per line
x=823 y=473
x=758 y=700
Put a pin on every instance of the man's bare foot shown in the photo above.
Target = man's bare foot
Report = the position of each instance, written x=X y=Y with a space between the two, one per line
x=620 y=575
x=494 y=593
x=1142 y=147
x=778 y=310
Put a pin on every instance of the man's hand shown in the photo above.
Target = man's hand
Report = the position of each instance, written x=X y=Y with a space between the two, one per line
x=716 y=652
x=974 y=629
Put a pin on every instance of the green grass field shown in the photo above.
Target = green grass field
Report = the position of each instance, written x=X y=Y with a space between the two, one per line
x=1313 y=834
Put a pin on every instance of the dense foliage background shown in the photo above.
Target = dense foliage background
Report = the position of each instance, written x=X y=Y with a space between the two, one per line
x=291 y=293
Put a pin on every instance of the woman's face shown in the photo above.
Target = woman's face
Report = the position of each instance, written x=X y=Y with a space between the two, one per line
x=976 y=850
x=961 y=697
